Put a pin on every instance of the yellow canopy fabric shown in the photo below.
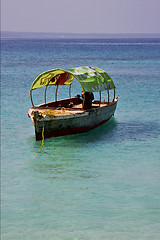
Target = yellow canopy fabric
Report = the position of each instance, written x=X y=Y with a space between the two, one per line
x=91 y=79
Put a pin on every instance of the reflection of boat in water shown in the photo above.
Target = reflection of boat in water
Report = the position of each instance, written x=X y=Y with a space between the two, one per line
x=72 y=115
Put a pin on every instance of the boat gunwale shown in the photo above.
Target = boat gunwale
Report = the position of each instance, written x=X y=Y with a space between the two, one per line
x=69 y=111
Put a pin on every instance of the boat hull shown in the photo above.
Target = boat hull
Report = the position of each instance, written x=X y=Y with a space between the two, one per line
x=60 y=125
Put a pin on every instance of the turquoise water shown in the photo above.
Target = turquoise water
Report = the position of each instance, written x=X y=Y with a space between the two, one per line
x=103 y=184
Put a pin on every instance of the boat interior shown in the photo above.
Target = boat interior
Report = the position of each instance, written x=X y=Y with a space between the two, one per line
x=76 y=104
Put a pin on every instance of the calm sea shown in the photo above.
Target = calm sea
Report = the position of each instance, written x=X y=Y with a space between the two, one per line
x=99 y=185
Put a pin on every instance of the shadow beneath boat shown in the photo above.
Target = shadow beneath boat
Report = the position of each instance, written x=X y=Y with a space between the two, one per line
x=136 y=131
x=60 y=156
x=66 y=147
x=113 y=131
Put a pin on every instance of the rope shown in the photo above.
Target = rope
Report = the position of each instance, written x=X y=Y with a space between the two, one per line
x=48 y=113
x=42 y=141
x=55 y=112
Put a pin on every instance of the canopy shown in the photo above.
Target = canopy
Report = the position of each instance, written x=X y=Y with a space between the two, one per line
x=91 y=79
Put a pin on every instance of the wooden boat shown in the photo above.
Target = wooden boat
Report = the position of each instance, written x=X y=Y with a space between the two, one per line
x=74 y=114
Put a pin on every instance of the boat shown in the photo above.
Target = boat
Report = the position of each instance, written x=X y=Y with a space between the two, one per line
x=73 y=114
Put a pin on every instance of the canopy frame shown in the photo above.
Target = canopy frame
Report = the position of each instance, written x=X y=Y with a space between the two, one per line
x=86 y=76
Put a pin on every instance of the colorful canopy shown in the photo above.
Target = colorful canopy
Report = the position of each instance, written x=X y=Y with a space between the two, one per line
x=91 y=79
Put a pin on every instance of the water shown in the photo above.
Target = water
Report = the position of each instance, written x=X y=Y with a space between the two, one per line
x=104 y=184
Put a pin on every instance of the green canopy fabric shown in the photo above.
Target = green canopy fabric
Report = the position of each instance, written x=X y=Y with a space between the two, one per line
x=91 y=79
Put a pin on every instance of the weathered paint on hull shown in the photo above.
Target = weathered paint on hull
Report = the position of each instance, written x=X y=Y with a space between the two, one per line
x=76 y=123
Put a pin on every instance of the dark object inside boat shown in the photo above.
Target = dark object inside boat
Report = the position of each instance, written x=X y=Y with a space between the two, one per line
x=88 y=97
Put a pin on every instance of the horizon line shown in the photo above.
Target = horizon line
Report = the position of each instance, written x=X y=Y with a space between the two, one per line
x=17 y=34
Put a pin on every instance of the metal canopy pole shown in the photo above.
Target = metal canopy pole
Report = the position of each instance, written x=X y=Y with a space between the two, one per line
x=99 y=98
x=70 y=91
x=108 y=95
x=31 y=98
x=56 y=94
x=45 y=94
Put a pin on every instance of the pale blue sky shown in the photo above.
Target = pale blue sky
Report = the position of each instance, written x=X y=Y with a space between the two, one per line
x=81 y=16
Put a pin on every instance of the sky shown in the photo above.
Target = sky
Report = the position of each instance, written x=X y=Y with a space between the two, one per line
x=81 y=16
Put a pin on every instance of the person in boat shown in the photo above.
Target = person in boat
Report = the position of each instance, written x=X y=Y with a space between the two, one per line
x=79 y=99
x=88 y=97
